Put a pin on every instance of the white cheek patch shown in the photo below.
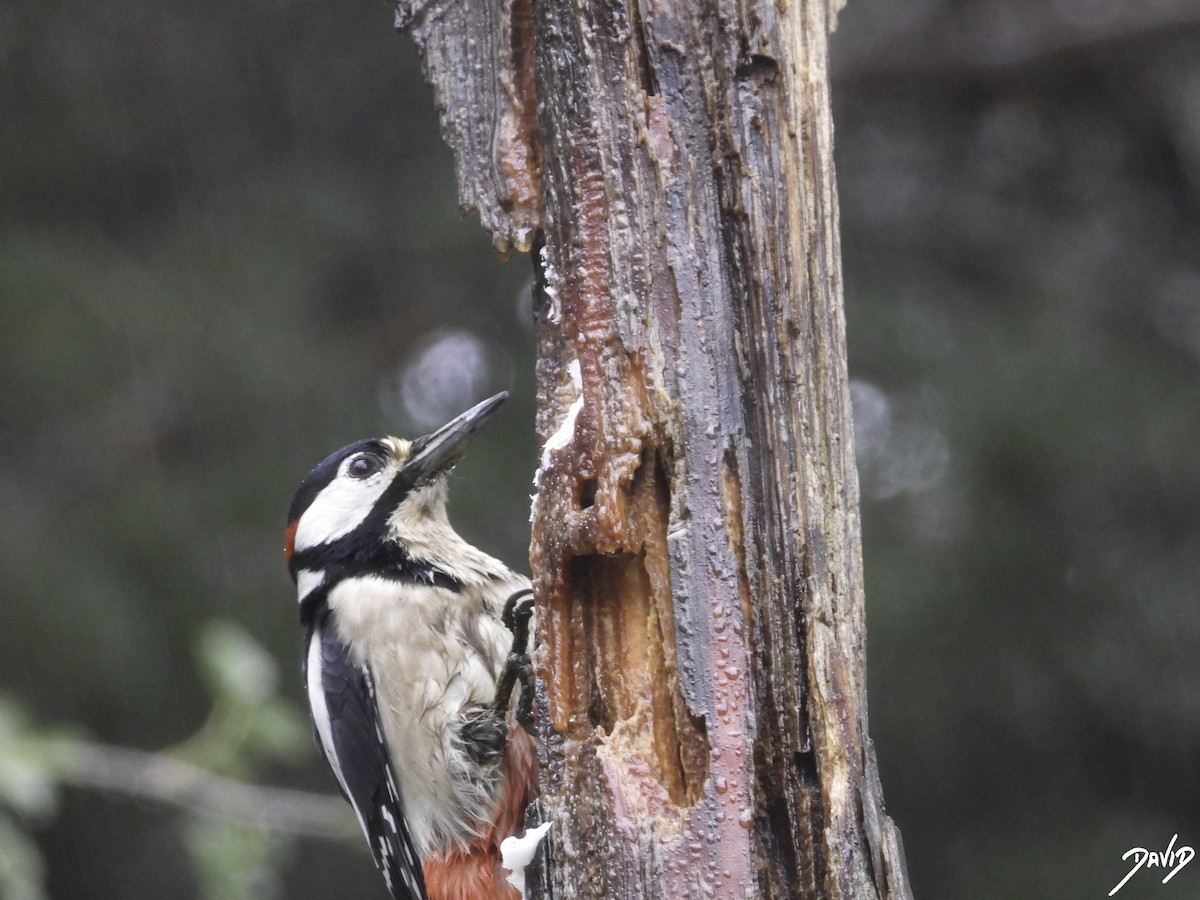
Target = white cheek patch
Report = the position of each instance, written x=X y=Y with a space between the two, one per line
x=339 y=509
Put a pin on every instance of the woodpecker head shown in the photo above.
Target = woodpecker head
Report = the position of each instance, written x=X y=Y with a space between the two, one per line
x=378 y=504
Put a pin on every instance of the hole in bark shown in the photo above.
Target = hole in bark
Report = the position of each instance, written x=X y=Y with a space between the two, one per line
x=627 y=680
x=587 y=493
x=637 y=29
x=757 y=67
x=614 y=590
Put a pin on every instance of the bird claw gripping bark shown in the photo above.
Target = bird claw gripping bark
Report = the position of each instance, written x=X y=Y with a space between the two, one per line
x=518 y=610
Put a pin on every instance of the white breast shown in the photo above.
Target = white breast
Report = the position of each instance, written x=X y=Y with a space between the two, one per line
x=433 y=653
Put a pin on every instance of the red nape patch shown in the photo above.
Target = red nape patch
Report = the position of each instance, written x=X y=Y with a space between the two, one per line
x=289 y=542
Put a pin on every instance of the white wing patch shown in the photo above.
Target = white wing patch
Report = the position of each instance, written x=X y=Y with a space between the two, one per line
x=320 y=716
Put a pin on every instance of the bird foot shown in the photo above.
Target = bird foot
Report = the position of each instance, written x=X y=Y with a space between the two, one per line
x=518 y=610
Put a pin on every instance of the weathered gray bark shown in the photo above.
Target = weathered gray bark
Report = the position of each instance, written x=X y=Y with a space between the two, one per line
x=696 y=548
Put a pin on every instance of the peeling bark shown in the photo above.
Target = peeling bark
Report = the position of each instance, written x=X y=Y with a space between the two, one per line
x=478 y=54
x=696 y=551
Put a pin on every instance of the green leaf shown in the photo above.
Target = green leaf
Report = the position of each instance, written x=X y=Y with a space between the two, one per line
x=30 y=760
x=235 y=667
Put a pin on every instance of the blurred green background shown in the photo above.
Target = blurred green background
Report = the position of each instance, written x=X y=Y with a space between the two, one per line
x=230 y=243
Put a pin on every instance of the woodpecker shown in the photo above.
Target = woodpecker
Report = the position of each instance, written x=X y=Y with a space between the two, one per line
x=414 y=643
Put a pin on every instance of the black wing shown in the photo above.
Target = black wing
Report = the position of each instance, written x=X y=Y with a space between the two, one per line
x=341 y=697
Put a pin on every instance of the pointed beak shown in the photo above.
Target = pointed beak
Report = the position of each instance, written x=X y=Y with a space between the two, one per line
x=437 y=452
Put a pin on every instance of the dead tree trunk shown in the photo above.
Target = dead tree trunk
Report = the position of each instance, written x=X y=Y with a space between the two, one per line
x=696 y=549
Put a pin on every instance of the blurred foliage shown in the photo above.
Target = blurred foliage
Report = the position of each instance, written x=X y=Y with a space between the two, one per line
x=238 y=863
x=22 y=874
x=249 y=729
x=229 y=244
x=30 y=761
x=249 y=725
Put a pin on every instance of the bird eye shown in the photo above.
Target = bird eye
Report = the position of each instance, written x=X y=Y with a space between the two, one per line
x=363 y=467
